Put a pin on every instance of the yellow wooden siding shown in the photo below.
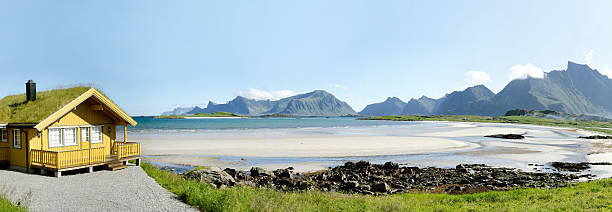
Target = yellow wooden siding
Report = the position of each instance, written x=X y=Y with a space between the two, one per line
x=82 y=116
x=34 y=139
x=5 y=153
x=91 y=93
x=17 y=156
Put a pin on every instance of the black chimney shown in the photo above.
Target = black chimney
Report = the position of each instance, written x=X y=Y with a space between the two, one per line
x=30 y=90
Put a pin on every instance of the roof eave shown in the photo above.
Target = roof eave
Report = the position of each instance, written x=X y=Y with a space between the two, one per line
x=77 y=101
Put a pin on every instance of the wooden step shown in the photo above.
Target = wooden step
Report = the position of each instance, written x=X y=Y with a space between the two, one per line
x=114 y=168
x=110 y=165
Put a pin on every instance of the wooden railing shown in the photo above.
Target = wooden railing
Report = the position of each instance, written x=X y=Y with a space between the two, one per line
x=67 y=159
x=127 y=149
x=5 y=153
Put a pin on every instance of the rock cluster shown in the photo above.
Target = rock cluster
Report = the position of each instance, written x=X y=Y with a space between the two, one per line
x=575 y=167
x=213 y=175
x=596 y=137
x=506 y=136
x=390 y=178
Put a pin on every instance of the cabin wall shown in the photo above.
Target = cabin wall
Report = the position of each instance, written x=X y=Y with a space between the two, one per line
x=82 y=117
x=18 y=155
x=5 y=144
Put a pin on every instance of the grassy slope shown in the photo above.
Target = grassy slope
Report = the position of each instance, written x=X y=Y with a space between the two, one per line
x=14 y=109
x=595 y=195
x=587 y=125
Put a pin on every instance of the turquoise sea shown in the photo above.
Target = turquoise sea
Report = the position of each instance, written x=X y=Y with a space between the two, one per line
x=149 y=125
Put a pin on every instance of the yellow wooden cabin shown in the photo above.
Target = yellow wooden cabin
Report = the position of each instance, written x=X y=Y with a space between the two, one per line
x=63 y=129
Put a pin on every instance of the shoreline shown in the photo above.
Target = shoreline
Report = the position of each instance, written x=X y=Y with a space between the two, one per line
x=431 y=145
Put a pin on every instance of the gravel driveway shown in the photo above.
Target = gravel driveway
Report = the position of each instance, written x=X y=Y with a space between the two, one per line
x=130 y=189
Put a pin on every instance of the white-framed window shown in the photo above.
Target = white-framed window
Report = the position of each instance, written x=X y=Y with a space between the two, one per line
x=84 y=134
x=55 y=137
x=4 y=135
x=17 y=138
x=70 y=136
x=65 y=136
x=96 y=134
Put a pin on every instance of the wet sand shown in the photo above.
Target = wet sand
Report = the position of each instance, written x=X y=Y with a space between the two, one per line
x=441 y=144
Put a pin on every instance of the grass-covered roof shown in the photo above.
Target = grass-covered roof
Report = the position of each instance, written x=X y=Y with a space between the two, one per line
x=15 y=109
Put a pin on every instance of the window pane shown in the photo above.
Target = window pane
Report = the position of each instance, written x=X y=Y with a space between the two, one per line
x=69 y=136
x=96 y=134
x=85 y=134
x=4 y=136
x=55 y=137
x=17 y=138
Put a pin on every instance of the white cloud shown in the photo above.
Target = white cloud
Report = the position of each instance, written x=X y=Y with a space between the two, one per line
x=476 y=77
x=589 y=58
x=257 y=94
x=526 y=71
x=590 y=61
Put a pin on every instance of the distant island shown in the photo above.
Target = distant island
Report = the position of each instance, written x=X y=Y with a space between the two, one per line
x=517 y=116
x=317 y=103
x=202 y=115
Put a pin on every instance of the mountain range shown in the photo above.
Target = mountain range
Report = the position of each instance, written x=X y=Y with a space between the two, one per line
x=576 y=90
x=316 y=103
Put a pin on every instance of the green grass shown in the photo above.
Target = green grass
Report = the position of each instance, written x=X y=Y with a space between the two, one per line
x=583 y=124
x=14 y=109
x=595 y=196
x=6 y=205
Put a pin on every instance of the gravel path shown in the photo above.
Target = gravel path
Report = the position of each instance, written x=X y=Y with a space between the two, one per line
x=130 y=189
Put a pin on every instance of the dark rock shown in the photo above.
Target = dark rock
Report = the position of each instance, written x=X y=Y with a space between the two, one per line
x=572 y=167
x=506 y=136
x=362 y=164
x=256 y=172
x=601 y=163
x=212 y=175
x=283 y=173
x=350 y=185
x=596 y=137
x=231 y=172
x=381 y=187
x=391 y=165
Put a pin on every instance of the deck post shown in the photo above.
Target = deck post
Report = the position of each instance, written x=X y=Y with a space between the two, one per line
x=91 y=169
x=58 y=174
x=124 y=133
x=57 y=160
x=138 y=162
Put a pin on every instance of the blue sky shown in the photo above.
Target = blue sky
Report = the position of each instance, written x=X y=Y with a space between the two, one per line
x=150 y=56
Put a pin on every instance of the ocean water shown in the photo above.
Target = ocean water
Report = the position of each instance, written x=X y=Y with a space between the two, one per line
x=151 y=126
x=542 y=146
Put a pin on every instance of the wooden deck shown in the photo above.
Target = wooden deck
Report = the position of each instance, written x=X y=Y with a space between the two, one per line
x=59 y=161
x=110 y=159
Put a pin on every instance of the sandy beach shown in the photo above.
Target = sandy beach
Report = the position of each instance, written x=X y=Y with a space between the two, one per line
x=441 y=144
